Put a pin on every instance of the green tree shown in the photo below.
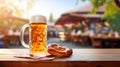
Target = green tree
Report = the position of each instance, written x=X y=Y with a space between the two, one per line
x=16 y=8
x=51 y=17
x=111 y=13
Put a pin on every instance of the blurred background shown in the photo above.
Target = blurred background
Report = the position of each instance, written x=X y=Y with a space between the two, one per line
x=74 y=23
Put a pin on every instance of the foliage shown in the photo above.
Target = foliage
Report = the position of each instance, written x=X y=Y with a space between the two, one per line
x=51 y=17
x=111 y=13
x=13 y=8
x=18 y=7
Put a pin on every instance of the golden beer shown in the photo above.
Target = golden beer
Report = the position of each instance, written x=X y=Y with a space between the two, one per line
x=38 y=38
x=37 y=34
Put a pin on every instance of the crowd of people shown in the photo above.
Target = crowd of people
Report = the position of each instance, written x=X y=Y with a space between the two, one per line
x=95 y=29
x=86 y=34
x=9 y=36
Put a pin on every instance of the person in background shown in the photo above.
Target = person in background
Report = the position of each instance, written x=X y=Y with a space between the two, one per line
x=89 y=31
x=92 y=26
x=116 y=34
x=74 y=31
x=56 y=33
x=79 y=32
x=98 y=30
x=106 y=29
x=1 y=42
x=10 y=31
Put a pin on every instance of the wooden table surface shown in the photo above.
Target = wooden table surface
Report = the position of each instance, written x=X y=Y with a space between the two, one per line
x=78 y=55
x=79 y=58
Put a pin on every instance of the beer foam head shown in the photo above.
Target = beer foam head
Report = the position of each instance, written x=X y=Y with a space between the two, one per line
x=38 y=19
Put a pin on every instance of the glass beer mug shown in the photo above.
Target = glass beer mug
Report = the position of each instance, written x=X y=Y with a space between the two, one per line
x=37 y=34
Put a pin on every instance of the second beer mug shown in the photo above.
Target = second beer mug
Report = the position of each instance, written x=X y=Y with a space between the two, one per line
x=37 y=34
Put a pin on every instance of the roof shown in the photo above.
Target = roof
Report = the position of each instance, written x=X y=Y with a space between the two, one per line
x=84 y=9
x=20 y=19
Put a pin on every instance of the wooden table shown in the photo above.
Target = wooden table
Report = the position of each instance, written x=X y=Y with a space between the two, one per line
x=13 y=40
x=106 y=41
x=79 y=58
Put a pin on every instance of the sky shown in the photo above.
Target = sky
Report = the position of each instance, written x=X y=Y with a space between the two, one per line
x=56 y=7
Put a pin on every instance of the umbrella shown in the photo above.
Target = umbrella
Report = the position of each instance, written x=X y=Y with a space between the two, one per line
x=70 y=19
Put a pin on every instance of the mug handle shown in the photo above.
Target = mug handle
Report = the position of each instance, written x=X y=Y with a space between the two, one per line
x=22 y=36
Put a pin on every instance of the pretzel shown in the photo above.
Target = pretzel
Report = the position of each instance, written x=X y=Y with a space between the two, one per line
x=59 y=51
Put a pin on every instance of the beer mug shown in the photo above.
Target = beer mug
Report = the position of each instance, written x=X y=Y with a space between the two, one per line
x=37 y=35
